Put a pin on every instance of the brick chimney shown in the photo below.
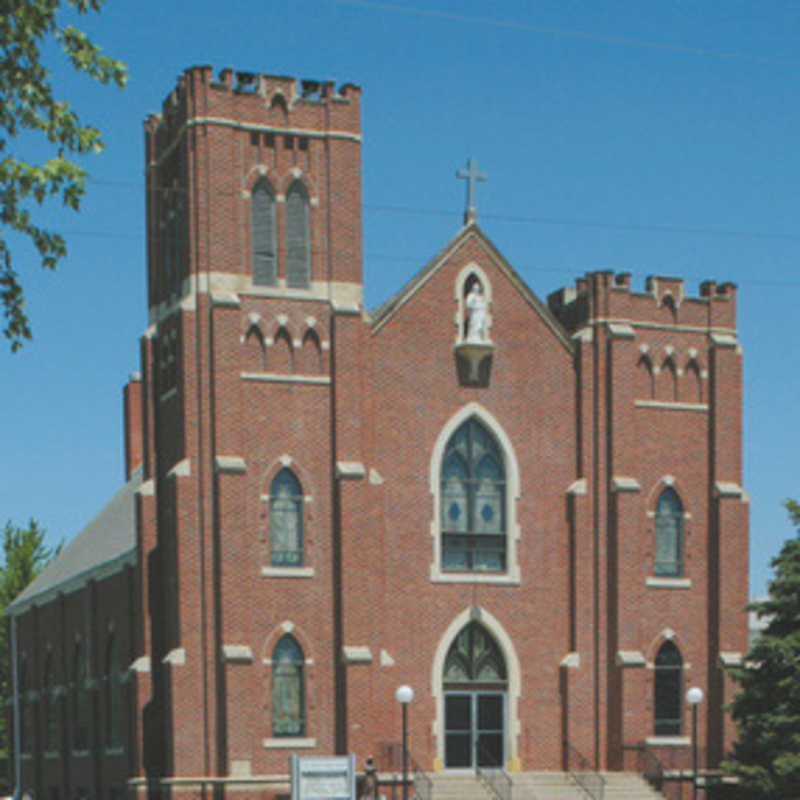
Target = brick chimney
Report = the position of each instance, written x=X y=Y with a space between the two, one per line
x=132 y=409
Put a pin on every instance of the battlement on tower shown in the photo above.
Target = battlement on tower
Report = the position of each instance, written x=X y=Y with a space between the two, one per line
x=259 y=100
x=611 y=296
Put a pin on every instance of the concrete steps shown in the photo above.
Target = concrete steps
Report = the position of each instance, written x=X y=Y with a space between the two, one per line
x=541 y=786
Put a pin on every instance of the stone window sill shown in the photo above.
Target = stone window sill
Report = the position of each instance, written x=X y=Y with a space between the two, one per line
x=114 y=751
x=289 y=743
x=51 y=754
x=668 y=741
x=668 y=583
x=80 y=753
x=507 y=578
x=287 y=572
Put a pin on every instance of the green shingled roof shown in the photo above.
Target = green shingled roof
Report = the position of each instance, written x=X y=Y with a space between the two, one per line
x=106 y=544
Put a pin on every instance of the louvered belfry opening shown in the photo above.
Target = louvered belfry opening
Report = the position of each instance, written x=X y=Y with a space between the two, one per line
x=263 y=228
x=298 y=250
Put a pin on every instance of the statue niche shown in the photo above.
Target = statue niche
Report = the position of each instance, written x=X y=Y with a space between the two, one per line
x=474 y=349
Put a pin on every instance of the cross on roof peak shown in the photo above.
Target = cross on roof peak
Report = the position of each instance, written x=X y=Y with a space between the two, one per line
x=471 y=175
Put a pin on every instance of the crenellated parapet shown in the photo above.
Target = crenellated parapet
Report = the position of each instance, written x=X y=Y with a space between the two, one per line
x=600 y=297
x=258 y=101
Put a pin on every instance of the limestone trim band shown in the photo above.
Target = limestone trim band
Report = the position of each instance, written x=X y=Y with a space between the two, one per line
x=226 y=122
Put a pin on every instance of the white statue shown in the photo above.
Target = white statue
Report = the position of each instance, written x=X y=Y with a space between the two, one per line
x=476 y=305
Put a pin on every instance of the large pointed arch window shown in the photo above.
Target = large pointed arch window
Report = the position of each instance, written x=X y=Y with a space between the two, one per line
x=473 y=501
x=286 y=520
x=669 y=534
x=262 y=224
x=298 y=247
x=668 y=690
x=288 y=688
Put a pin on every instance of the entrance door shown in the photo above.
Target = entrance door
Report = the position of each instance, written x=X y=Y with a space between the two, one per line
x=474 y=729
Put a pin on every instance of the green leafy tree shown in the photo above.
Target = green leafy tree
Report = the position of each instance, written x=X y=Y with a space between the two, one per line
x=766 y=757
x=25 y=555
x=28 y=104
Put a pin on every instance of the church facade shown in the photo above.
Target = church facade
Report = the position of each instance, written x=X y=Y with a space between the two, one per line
x=530 y=512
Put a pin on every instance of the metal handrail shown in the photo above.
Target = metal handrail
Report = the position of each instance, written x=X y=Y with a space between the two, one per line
x=584 y=774
x=390 y=758
x=649 y=766
x=494 y=777
x=423 y=785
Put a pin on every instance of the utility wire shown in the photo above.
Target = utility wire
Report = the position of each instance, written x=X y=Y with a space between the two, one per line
x=626 y=41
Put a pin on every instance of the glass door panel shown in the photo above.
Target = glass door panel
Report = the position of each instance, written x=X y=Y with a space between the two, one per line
x=458 y=730
x=489 y=729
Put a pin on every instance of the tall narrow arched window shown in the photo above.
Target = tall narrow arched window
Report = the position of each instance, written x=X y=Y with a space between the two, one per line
x=668 y=691
x=298 y=247
x=669 y=534
x=262 y=225
x=286 y=520
x=288 y=688
x=80 y=700
x=473 y=502
x=25 y=710
x=50 y=706
x=113 y=696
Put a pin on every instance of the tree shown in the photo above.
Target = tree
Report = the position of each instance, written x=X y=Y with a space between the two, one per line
x=28 y=104
x=25 y=555
x=766 y=757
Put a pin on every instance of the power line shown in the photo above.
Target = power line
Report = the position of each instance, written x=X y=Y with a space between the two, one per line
x=602 y=224
x=567 y=33
x=575 y=222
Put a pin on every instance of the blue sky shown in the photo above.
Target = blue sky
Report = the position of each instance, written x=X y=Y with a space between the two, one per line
x=658 y=138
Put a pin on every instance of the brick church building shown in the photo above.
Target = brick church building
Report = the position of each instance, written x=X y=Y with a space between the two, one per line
x=530 y=512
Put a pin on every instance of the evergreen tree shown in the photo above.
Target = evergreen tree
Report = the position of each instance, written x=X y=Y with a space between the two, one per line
x=766 y=757
x=25 y=555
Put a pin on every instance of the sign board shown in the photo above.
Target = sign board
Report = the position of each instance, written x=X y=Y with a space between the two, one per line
x=323 y=777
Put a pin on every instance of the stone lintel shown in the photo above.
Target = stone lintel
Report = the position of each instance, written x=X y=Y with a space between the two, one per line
x=724 y=340
x=728 y=489
x=222 y=299
x=728 y=659
x=621 y=483
x=237 y=654
x=350 y=469
x=234 y=465
x=621 y=330
x=630 y=658
x=356 y=654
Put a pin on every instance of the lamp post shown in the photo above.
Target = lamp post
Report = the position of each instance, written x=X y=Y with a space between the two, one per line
x=694 y=697
x=404 y=695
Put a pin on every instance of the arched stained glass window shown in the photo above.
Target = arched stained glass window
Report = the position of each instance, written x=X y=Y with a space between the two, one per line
x=298 y=249
x=474 y=656
x=288 y=688
x=669 y=534
x=262 y=224
x=473 y=501
x=114 y=700
x=25 y=709
x=668 y=691
x=286 y=520
x=80 y=700
x=50 y=706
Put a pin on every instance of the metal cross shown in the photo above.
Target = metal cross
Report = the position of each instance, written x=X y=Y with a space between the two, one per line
x=471 y=175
